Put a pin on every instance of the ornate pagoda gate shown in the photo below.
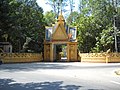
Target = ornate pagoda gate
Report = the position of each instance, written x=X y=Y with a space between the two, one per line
x=60 y=34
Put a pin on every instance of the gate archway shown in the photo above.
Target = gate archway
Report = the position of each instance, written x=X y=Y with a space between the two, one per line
x=60 y=34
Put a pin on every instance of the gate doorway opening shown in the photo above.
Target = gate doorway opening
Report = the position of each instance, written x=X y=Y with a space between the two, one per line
x=60 y=52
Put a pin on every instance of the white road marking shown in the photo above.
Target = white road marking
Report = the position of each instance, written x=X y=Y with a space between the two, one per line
x=115 y=82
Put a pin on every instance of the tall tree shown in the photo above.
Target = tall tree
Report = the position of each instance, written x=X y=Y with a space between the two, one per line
x=94 y=22
x=71 y=19
x=49 y=18
x=25 y=20
x=53 y=4
x=57 y=5
x=4 y=18
x=71 y=2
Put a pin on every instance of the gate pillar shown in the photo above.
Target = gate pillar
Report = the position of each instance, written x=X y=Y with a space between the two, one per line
x=46 y=52
x=72 y=51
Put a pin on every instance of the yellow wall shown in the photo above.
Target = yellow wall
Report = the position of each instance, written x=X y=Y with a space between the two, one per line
x=83 y=57
x=100 y=57
x=20 y=57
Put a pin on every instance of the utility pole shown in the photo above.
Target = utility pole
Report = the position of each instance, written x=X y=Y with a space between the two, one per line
x=115 y=35
x=115 y=28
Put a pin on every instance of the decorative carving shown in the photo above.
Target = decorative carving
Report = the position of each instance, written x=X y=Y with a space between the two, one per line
x=100 y=57
x=20 y=57
x=61 y=34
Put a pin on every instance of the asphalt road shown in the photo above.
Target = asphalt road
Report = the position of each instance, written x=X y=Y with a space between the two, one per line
x=59 y=76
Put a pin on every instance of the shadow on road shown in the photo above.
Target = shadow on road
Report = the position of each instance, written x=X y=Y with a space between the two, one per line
x=31 y=66
x=6 y=84
x=9 y=84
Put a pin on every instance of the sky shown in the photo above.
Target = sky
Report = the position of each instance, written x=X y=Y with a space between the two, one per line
x=42 y=3
x=46 y=7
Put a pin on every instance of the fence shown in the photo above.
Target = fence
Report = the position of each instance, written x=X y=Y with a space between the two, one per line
x=83 y=57
x=100 y=57
x=20 y=57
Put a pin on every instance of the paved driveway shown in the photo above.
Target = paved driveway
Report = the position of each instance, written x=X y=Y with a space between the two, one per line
x=59 y=76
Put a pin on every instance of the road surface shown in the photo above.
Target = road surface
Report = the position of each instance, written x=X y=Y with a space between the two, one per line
x=59 y=76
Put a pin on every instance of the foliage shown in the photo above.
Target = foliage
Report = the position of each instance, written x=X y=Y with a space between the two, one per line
x=86 y=33
x=95 y=26
x=105 y=41
x=58 y=5
x=23 y=19
x=20 y=19
x=49 y=18
x=71 y=20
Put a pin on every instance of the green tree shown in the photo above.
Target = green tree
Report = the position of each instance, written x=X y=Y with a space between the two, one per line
x=105 y=40
x=71 y=20
x=57 y=5
x=26 y=20
x=4 y=18
x=94 y=22
x=49 y=18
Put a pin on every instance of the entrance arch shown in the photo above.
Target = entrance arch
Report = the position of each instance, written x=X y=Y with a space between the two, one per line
x=60 y=34
x=60 y=52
